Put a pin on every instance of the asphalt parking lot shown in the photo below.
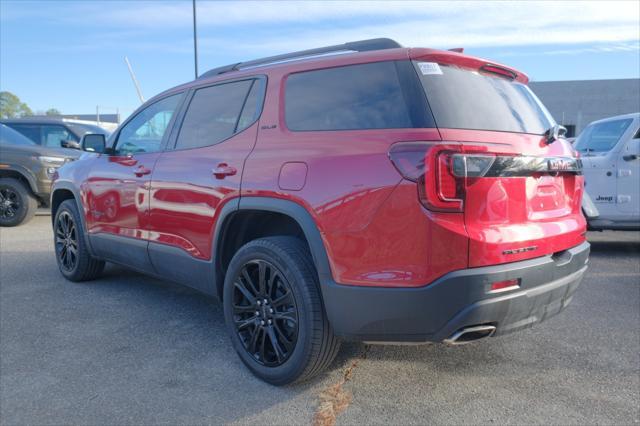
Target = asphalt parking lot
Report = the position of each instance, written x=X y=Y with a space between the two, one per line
x=127 y=349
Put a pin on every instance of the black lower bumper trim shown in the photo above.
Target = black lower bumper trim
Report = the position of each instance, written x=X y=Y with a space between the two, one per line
x=457 y=300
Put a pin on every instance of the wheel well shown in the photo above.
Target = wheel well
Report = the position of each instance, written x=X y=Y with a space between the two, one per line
x=16 y=175
x=249 y=225
x=57 y=198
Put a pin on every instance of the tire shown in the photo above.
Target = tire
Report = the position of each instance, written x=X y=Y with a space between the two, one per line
x=17 y=204
x=294 y=294
x=72 y=254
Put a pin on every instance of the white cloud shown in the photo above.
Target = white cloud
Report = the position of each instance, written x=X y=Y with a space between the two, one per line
x=273 y=27
x=458 y=14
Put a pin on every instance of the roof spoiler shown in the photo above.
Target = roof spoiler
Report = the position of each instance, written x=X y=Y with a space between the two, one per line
x=354 y=46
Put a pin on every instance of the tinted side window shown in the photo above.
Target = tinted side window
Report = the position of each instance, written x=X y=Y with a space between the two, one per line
x=53 y=135
x=366 y=96
x=213 y=114
x=251 y=108
x=145 y=131
x=12 y=137
x=29 y=130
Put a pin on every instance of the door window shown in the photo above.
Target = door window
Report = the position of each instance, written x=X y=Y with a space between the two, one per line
x=145 y=132
x=31 y=131
x=216 y=113
x=53 y=135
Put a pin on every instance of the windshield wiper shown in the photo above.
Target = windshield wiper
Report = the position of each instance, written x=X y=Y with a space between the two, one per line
x=554 y=133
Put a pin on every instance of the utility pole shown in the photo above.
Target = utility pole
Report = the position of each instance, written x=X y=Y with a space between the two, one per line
x=195 y=40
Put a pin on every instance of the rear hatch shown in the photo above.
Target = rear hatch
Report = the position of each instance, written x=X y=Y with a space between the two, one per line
x=518 y=189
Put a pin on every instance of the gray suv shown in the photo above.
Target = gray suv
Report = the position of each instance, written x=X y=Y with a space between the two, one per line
x=53 y=132
x=26 y=169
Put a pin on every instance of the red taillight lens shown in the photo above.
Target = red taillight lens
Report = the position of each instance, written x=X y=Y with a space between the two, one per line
x=442 y=170
x=431 y=166
x=448 y=188
x=446 y=180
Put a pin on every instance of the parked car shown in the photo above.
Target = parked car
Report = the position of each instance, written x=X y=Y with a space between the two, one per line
x=382 y=194
x=610 y=150
x=26 y=170
x=53 y=132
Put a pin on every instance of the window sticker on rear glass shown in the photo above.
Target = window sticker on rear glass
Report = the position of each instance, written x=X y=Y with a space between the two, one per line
x=429 y=68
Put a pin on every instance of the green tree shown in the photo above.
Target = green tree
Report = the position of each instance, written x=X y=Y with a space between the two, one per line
x=53 y=112
x=11 y=106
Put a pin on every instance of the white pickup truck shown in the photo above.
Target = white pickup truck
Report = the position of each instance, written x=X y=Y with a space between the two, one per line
x=610 y=151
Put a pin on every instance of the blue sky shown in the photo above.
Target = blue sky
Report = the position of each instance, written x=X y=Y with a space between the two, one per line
x=69 y=54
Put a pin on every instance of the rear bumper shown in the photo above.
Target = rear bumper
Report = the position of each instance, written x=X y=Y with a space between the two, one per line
x=457 y=300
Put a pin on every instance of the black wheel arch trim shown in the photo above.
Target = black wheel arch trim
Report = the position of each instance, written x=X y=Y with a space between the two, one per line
x=276 y=205
x=24 y=172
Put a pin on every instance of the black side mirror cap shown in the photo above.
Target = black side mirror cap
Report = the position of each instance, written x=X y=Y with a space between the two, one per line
x=94 y=142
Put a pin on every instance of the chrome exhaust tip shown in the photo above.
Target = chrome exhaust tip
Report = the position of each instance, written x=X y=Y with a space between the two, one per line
x=471 y=334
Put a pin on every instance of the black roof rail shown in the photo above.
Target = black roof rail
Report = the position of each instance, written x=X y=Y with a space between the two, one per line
x=353 y=46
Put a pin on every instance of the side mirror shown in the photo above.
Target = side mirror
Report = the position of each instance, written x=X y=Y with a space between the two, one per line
x=93 y=142
x=70 y=144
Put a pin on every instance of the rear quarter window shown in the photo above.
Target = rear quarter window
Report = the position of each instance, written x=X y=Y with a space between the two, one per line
x=376 y=95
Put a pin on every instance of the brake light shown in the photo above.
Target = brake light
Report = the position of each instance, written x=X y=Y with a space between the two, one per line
x=441 y=170
x=429 y=164
x=449 y=188
x=498 y=70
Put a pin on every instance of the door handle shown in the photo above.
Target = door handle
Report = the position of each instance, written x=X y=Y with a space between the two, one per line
x=141 y=171
x=223 y=170
x=630 y=157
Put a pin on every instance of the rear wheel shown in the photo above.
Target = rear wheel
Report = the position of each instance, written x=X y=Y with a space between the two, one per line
x=74 y=260
x=17 y=204
x=274 y=312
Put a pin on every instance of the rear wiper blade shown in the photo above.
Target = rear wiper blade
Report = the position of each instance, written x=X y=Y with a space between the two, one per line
x=554 y=133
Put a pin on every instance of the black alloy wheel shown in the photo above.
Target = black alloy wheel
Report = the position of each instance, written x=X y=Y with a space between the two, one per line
x=265 y=314
x=66 y=241
x=10 y=203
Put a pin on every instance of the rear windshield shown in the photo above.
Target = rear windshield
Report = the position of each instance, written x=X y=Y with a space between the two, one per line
x=601 y=137
x=461 y=98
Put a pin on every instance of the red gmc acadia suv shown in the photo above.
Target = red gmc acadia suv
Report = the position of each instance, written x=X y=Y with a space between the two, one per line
x=361 y=191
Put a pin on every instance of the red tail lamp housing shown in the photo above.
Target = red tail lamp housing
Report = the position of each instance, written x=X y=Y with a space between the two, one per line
x=442 y=170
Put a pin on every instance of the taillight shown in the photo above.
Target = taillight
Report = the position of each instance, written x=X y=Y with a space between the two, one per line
x=445 y=191
x=441 y=170
x=430 y=165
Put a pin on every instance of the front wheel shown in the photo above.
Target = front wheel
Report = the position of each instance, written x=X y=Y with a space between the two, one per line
x=274 y=313
x=17 y=204
x=74 y=260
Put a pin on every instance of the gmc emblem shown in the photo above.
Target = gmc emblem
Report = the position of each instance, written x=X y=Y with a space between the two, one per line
x=559 y=165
